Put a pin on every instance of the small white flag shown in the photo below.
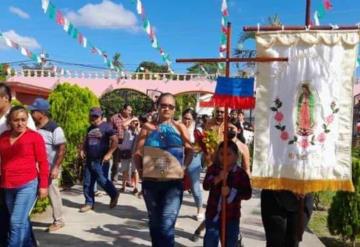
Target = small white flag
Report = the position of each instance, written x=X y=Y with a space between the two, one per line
x=66 y=24
x=23 y=51
x=316 y=18
x=139 y=7
x=45 y=5
x=84 y=42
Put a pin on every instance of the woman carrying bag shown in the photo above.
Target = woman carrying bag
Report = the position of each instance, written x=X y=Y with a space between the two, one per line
x=162 y=154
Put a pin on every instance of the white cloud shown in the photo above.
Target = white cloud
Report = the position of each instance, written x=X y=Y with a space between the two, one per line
x=105 y=15
x=19 y=12
x=27 y=42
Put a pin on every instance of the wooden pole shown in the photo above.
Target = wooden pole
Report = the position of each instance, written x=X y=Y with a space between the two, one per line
x=226 y=130
x=308 y=13
x=297 y=28
x=233 y=59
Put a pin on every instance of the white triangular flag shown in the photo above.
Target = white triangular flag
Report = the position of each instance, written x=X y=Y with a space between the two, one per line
x=316 y=18
x=66 y=24
x=45 y=5
x=139 y=7
x=84 y=42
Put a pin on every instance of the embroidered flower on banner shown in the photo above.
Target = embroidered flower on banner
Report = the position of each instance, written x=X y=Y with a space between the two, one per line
x=306 y=141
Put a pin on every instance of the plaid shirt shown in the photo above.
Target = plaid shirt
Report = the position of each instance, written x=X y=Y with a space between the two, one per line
x=118 y=123
x=240 y=189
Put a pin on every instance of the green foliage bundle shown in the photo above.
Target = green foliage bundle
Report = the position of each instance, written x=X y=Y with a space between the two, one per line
x=344 y=213
x=70 y=107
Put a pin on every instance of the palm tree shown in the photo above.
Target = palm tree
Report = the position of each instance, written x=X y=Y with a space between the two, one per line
x=117 y=62
x=244 y=36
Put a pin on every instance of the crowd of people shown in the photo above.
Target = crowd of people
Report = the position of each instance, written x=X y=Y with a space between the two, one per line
x=152 y=149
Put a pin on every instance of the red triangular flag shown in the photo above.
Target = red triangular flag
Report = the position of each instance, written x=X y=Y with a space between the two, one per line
x=60 y=18
x=328 y=5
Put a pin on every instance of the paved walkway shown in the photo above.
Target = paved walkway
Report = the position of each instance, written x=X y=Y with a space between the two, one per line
x=126 y=224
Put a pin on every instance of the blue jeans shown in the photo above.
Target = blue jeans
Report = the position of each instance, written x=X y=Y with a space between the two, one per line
x=105 y=168
x=194 y=171
x=163 y=201
x=19 y=202
x=94 y=172
x=213 y=233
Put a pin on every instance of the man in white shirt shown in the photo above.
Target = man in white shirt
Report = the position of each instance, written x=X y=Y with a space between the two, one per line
x=5 y=105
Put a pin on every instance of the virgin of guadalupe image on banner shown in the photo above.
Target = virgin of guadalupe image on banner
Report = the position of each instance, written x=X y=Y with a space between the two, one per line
x=303 y=131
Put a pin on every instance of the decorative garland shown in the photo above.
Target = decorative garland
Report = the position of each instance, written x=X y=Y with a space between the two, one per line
x=149 y=29
x=56 y=15
x=223 y=39
x=321 y=11
x=24 y=51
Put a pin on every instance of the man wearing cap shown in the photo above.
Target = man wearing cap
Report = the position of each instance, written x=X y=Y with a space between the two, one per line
x=55 y=141
x=100 y=143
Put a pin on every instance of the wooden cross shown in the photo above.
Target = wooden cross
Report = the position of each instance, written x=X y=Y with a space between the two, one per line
x=227 y=61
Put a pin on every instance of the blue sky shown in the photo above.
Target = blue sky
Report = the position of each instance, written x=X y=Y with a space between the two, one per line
x=185 y=28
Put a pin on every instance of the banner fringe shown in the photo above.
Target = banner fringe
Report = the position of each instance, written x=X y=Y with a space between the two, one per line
x=302 y=186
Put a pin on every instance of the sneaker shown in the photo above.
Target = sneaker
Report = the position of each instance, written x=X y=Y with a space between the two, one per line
x=114 y=201
x=98 y=193
x=86 y=208
x=200 y=217
x=55 y=226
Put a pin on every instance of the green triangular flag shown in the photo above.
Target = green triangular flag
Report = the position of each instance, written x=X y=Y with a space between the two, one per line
x=51 y=11
x=70 y=30
x=321 y=11
x=75 y=33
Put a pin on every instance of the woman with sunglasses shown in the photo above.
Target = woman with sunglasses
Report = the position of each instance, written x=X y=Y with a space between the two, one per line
x=162 y=154
x=194 y=168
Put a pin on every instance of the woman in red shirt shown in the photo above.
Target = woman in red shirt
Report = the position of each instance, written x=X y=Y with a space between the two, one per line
x=24 y=174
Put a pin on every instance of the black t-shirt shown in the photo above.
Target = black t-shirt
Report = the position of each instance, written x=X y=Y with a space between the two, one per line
x=98 y=140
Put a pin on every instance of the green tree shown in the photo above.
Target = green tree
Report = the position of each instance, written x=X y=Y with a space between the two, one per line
x=70 y=107
x=113 y=101
x=183 y=102
x=3 y=71
x=148 y=66
x=200 y=68
x=344 y=213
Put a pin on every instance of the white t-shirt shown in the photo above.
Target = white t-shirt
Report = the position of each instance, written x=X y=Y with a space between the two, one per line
x=4 y=127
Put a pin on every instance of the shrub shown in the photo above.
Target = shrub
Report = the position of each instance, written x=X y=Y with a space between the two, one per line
x=70 y=107
x=344 y=213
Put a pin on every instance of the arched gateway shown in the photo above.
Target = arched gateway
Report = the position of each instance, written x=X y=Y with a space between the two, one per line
x=105 y=82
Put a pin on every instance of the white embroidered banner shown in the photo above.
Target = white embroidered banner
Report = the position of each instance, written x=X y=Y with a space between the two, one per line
x=303 y=112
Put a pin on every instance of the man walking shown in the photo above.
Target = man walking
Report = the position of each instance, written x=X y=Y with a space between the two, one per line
x=99 y=145
x=55 y=149
x=120 y=123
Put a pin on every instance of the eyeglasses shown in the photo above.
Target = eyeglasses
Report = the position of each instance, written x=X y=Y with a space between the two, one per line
x=167 y=106
x=220 y=112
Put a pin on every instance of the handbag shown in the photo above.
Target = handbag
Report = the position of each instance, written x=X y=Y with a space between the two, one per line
x=161 y=165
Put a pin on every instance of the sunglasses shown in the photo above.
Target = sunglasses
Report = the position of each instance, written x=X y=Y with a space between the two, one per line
x=220 y=112
x=167 y=106
x=187 y=118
